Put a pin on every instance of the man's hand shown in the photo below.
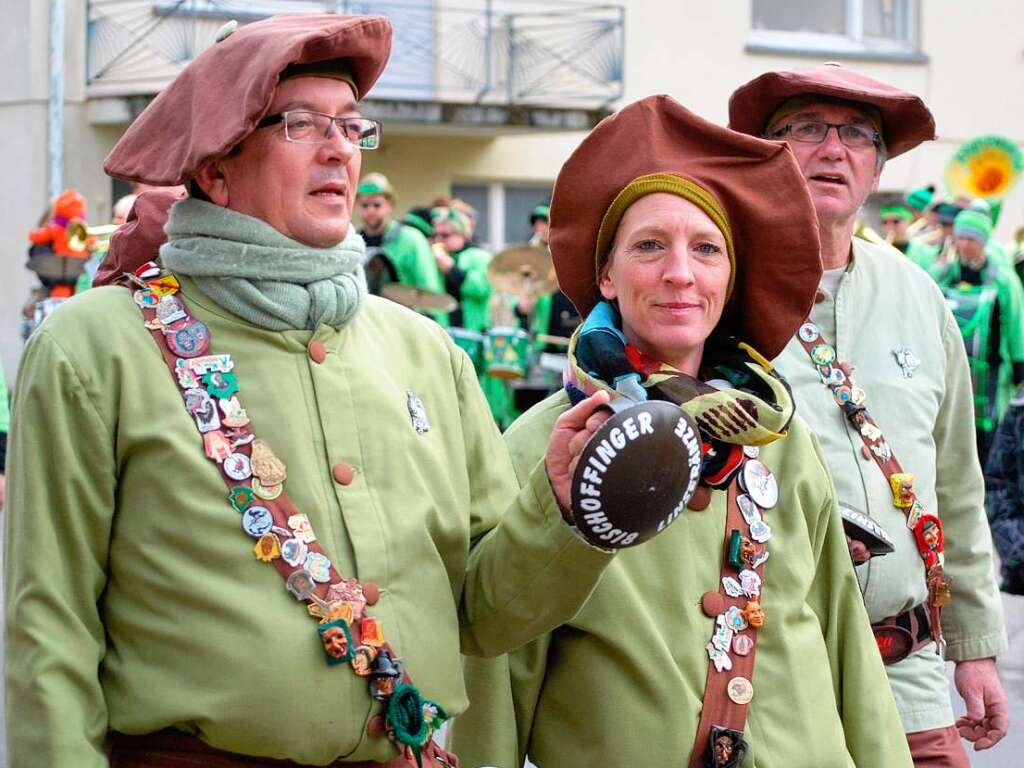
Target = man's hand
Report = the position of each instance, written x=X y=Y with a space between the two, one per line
x=859 y=551
x=444 y=261
x=571 y=432
x=987 y=718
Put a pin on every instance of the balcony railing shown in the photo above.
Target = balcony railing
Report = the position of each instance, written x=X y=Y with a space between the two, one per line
x=554 y=53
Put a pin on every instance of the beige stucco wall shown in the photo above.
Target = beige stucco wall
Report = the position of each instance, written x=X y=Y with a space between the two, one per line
x=973 y=81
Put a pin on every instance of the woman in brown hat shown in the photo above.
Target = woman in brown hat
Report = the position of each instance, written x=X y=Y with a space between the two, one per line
x=698 y=245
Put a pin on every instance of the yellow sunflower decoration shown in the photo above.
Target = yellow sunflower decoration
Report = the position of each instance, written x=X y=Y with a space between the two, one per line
x=985 y=167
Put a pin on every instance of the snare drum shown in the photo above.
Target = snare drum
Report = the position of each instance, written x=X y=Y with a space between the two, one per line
x=505 y=352
x=472 y=343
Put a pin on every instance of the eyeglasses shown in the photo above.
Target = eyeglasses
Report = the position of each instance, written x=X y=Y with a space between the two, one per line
x=814 y=132
x=371 y=204
x=894 y=220
x=306 y=127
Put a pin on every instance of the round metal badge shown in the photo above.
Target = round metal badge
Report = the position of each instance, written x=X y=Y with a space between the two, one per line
x=842 y=394
x=190 y=339
x=256 y=521
x=268 y=492
x=751 y=451
x=742 y=645
x=837 y=377
x=238 y=467
x=760 y=485
x=740 y=690
x=809 y=332
x=822 y=354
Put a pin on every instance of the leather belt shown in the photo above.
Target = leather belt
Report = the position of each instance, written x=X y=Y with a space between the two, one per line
x=173 y=749
x=899 y=636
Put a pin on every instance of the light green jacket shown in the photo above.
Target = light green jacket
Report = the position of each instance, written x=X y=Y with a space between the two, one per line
x=885 y=303
x=133 y=598
x=409 y=251
x=622 y=683
x=5 y=410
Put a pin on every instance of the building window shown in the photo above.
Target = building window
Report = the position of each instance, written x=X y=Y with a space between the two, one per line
x=856 y=28
x=503 y=210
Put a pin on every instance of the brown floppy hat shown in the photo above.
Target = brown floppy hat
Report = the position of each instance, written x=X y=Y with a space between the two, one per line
x=906 y=121
x=218 y=99
x=756 y=184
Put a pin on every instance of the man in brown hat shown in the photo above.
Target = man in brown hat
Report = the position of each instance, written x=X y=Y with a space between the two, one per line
x=880 y=373
x=253 y=411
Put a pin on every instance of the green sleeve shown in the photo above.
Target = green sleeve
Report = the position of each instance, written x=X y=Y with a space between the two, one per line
x=922 y=254
x=60 y=506
x=874 y=733
x=973 y=621
x=474 y=262
x=503 y=691
x=528 y=572
x=413 y=260
x=1011 y=317
x=416 y=266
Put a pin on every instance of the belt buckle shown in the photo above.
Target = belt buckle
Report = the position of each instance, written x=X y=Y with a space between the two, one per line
x=894 y=643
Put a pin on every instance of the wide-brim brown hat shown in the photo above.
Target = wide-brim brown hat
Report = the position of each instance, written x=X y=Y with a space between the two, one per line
x=757 y=184
x=906 y=121
x=218 y=99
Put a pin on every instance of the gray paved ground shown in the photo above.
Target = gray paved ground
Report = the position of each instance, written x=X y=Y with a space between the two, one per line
x=1010 y=751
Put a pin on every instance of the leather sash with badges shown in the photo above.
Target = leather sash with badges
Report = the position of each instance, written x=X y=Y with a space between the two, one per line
x=738 y=613
x=927 y=526
x=284 y=537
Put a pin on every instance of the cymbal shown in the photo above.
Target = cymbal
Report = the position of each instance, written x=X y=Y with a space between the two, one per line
x=558 y=341
x=522 y=270
x=417 y=298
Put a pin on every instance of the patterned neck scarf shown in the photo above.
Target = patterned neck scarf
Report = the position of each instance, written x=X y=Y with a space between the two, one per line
x=741 y=398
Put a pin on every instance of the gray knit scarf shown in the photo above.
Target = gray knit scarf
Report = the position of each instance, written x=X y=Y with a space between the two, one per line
x=255 y=272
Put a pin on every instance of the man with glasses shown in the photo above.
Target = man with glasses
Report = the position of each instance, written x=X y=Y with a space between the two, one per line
x=253 y=513
x=404 y=249
x=895 y=219
x=880 y=373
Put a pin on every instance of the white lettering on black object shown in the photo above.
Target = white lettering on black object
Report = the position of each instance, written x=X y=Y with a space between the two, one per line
x=689 y=439
x=589 y=487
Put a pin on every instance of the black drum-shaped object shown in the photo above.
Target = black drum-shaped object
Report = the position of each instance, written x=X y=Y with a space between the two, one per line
x=636 y=474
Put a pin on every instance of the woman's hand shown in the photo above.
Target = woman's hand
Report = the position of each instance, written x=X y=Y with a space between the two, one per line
x=571 y=432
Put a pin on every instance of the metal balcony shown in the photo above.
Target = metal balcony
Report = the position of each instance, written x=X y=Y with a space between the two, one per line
x=505 y=53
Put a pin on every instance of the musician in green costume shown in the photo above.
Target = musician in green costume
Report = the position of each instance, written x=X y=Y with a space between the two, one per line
x=987 y=300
